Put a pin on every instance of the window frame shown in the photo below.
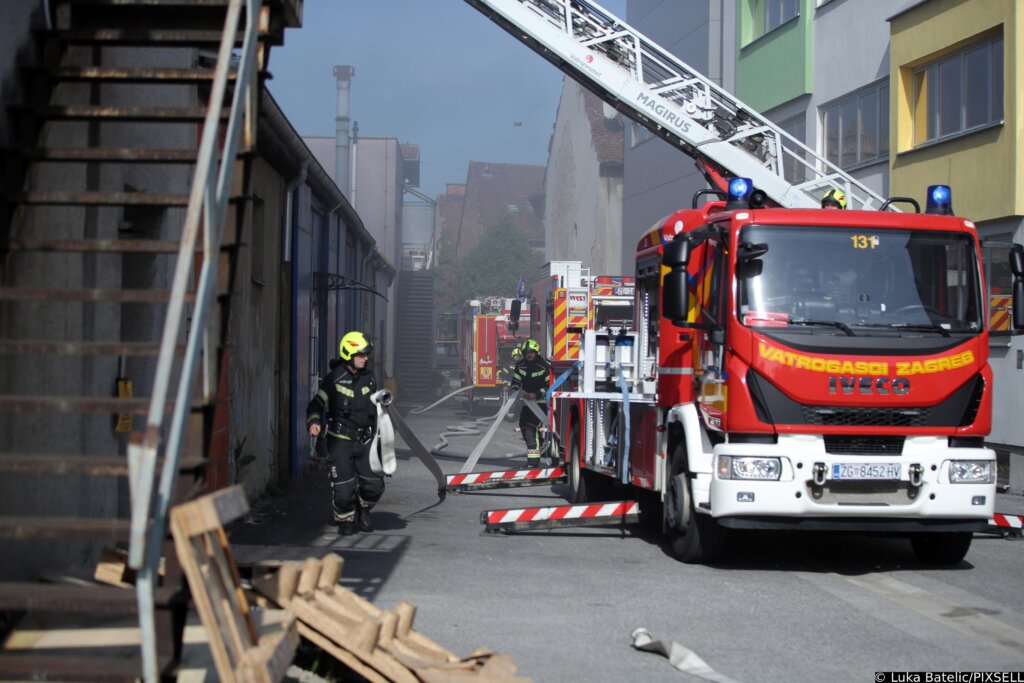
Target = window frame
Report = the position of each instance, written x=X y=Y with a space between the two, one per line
x=836 y=110
x=927 y=91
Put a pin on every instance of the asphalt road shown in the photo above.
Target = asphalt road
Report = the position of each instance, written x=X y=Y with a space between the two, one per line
x=563 y=602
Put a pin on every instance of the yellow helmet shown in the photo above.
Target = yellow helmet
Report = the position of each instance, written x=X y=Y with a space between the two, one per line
x=531 y=345
x=834 y=196
x=353 y=343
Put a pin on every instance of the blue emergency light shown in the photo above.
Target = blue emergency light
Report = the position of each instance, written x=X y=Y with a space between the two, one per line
x=940 y=200
x=740 y=189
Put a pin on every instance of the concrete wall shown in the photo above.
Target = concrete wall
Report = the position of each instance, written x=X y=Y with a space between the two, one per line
x=257 y=332
x=583 y=208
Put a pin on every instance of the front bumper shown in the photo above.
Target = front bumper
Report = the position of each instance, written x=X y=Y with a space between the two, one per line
x=802 y=499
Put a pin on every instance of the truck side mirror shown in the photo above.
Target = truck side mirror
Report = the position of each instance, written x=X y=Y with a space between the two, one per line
x=513 y=318
x=1017 y=260
x=675 y=296
x=676 y=252
x=675 y=290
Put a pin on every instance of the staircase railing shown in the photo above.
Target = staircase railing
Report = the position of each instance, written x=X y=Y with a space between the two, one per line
x=205 y=215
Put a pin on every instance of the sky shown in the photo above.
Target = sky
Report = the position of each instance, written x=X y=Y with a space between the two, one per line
x=436 y=73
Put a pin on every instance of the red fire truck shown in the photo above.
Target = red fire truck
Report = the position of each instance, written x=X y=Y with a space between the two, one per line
x=796 y=369
x=487 y=340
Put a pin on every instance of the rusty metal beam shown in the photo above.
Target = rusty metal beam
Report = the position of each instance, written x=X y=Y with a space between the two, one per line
x=105 y=198
x=53 y=528
x=38 y=347
x=13 y=403
x=83 y=112
x=119 y=155
x=131 y=75
x=94 y=465
x=116 y=295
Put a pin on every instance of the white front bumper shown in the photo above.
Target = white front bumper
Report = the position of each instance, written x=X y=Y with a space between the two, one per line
x=796 y=495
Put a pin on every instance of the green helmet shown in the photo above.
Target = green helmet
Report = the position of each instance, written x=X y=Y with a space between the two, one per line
x=531 y=345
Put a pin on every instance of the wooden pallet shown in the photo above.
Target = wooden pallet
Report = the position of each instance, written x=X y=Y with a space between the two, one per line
x=244 y=648
x=380 y=645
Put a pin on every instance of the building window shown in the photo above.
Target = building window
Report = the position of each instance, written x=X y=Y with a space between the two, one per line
x=777 y=13
x=856 y=127
x=959 y=92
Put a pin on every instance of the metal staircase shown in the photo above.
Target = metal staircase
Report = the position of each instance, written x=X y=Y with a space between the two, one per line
x=414 y=359
x=114 y=285
x=658 y=90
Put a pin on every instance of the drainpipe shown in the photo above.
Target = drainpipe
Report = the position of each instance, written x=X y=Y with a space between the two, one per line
x=289 y=193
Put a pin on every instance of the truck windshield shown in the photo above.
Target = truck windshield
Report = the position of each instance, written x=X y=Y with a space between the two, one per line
x=855 y=281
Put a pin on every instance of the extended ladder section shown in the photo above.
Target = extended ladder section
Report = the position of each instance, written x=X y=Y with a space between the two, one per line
x=656 y=89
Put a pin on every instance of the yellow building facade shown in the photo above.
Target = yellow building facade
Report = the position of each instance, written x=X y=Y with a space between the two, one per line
x=980 y=157
x=957 y=118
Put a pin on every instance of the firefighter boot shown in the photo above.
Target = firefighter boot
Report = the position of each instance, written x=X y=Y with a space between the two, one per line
x=532 y=458
x=363 y=522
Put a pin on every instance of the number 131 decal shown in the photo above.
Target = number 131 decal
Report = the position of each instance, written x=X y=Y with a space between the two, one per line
x=864 y=241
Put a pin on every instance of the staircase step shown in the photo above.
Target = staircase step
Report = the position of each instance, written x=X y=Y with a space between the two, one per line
x=144 y=296
x=118 y=155
x=86 y=112
x=143 y=37
x=92 y=465
x=14 y=403
x=183 y=4
x=97 y=246
x=53 y=528
x=104 y=198
x=130 y=75
x=39 y=347
x=49 y=667
x=57 y=597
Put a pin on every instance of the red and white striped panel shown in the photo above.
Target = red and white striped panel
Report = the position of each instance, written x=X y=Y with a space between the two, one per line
x=504 y=475
x=597 y=510
x=1008 y=521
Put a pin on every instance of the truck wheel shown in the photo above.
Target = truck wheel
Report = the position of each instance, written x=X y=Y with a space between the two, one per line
x=695 y=538
x=946 y=548
x=577 y=482
x=701 y=543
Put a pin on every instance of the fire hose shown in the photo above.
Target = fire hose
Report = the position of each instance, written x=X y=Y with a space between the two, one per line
x=382 y=447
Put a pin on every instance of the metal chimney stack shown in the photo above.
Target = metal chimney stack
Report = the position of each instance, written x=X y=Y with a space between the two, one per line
x=344 y=75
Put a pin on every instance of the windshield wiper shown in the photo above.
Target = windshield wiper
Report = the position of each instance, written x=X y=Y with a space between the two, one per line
x=915 y=327
x=825 y=323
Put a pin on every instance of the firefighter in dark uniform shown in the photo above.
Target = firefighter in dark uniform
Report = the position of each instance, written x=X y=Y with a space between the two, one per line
x=533 y=375
x=351 y=420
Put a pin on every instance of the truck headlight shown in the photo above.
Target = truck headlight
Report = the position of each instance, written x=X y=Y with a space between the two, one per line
x=970 y=472
x=749 y=467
